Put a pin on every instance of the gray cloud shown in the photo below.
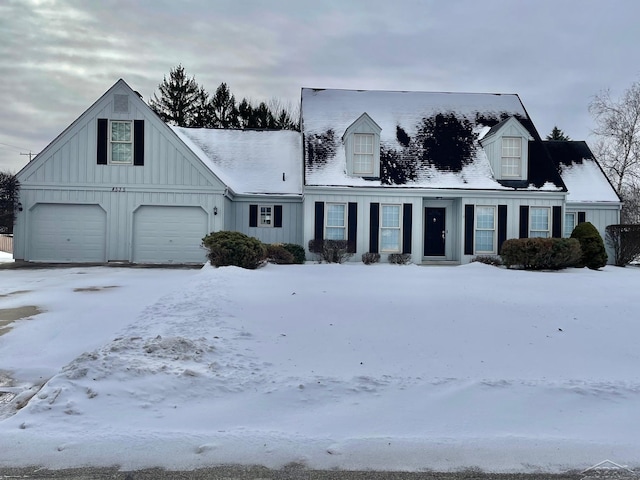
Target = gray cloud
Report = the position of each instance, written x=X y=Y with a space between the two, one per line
x=58 y=56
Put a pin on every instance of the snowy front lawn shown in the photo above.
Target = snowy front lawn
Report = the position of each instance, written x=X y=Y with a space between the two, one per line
x=347 y=366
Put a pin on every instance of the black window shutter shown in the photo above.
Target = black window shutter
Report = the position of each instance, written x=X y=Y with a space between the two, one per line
x=253 y=215
x=277 y=216
x=374 y=225
x=318 y=232
x=582 y=217
x=352 y=225
x=556 y=225
x=524 y=221
x=502 y=226
x=469 y=213
x=138 y=142
x=406 y=227
x=102 y=145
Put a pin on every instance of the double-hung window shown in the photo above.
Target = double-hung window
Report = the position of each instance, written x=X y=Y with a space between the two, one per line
x=390 y=228
x=363 y=154
x=511 y=157
x=539 y=222
x=335 y=226
x=265 y=216
x=121 y=141
x=569 y=223
x=485 y=229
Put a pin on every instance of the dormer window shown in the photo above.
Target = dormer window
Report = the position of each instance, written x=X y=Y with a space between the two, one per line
x=511 y=157
x=507 y=148
x=363 y=154
x=362 y=147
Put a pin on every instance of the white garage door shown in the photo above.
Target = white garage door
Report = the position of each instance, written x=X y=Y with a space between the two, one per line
x=169 y=234
x=67 y=233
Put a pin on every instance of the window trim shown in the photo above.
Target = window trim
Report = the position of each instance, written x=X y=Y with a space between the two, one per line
x=493 y=229
x=398 y=228
x=549 y=222
x=111 y=142
x=564 y=226
x=517 y=159
x=271 y=216
x=344 y=220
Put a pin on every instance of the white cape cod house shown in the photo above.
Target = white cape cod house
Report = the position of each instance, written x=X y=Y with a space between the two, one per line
x=442 y=177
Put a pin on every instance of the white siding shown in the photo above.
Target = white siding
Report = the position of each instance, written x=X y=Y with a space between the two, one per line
x=290 y=232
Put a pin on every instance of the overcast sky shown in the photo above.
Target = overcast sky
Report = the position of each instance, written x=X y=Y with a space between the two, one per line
x=58 y=56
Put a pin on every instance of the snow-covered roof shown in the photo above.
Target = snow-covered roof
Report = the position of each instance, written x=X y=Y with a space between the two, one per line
x=581 y=173
x=249 y=161
x=326 y=114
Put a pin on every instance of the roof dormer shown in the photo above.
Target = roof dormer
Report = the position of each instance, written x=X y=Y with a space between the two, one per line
x=362 y=147
x=507 y=148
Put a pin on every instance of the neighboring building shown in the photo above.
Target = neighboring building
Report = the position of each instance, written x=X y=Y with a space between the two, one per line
x=440 y=176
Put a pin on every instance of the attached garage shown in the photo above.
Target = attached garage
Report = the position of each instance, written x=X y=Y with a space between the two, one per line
x=169 y=234
x=67 y=233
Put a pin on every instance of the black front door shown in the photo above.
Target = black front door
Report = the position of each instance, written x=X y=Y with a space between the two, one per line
x=434 y=231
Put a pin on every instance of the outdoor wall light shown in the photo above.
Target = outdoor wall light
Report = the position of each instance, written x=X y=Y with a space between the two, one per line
x=19 y=207
x=215 y=210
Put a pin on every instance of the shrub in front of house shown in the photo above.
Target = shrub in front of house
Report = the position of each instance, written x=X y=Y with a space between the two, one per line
x=541 y=253
x=488 y=260
x=370 y=257
x=399 y=258
x=234 y=249
x=331 y=251
x=276 y=253
x=624 y=240
x=594 y=255
x=299 y=255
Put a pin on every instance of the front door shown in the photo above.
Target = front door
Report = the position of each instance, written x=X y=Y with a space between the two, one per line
x=434 y=231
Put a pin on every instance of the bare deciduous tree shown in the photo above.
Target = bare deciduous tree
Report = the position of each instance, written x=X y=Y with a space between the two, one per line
x=618 y=146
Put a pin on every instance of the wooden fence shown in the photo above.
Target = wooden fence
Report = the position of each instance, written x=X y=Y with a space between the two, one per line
x=6 y=243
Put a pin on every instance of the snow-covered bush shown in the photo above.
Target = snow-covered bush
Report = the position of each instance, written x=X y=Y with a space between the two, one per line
x=370 y=257
x=234 y=248
x=488 y=260
x=541 y=253
x=331 y=251
x=594 y=255
x=400 y=258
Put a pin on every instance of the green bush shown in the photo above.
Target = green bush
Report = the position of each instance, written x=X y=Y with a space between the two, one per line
x=370 y=257
x=488 y=260
x=594 y=255
x=234 y=248
x=541 y=253
x=299 y=255
x=399 y=258
x=331 y=251
x=276 y=253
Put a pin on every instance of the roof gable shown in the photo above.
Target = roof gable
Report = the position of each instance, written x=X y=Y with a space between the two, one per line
x=71 y=158
x=427 y=140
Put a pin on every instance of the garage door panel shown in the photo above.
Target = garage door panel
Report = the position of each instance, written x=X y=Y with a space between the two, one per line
x=67 y=233
x=169 y=234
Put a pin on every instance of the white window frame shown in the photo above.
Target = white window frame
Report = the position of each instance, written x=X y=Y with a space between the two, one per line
x=270 y=222
x=397 y=228
x=539 y=233
x=483 y=228
x=511 y=157
x=363 y=146
x=112 y=142
x=566 y=234
x=328 y=227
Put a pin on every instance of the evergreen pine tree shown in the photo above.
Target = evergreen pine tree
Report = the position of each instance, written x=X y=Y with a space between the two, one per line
x=177 y=98
x=245 y=114
x=202 y=115
x=557 y=134
x=225 y=112
x=9 y=197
